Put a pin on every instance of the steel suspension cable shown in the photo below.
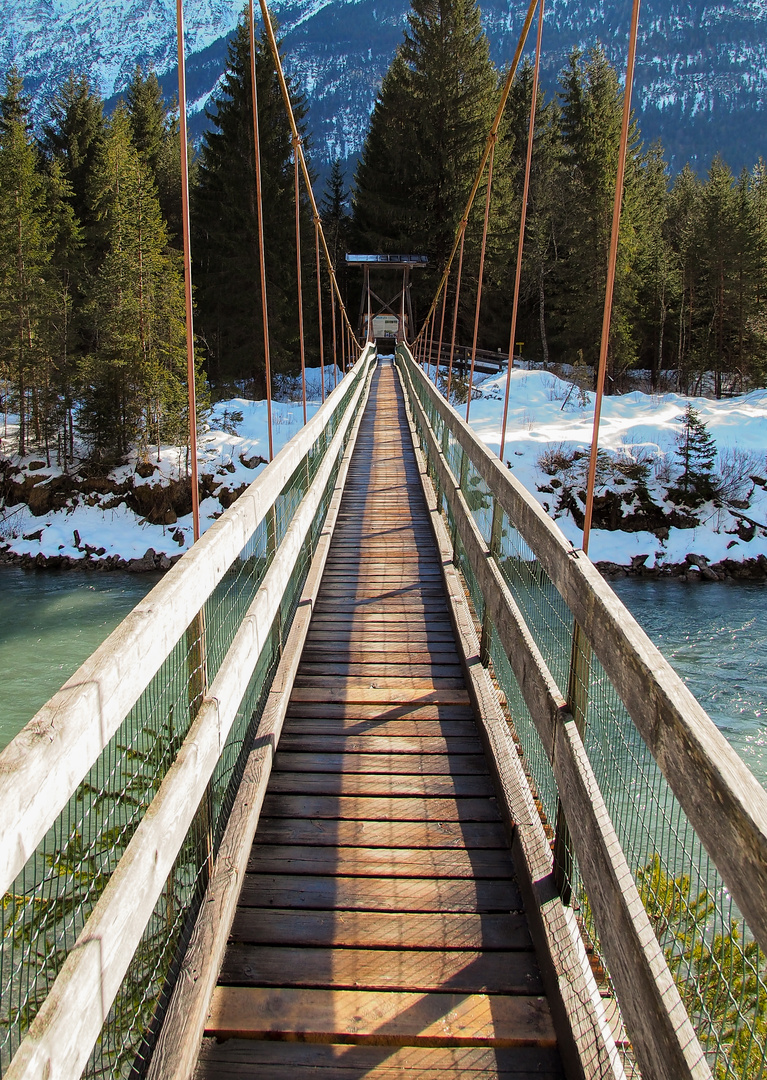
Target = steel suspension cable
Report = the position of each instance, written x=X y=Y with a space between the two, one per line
x=319 y=308
x=260 y=218
x=298 y=276
x=481 y=274
x=611 y=264
x=488 y=144
x=522 y=224
x=431 y=342
x=190 y=365
x=455 y=315
x=441 y=329
x=335 y=344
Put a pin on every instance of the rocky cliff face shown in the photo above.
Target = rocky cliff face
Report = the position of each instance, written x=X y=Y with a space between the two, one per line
x=701 y=76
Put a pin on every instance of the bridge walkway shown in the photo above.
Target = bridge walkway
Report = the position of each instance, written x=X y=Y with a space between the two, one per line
x=380 y=930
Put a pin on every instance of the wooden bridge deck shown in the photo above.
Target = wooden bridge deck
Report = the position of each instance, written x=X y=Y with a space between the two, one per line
x=380 y=930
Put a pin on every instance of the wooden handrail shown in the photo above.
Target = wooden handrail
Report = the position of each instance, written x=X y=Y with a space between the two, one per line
x=42 y=767
x=69 y=1022
x=724 y=802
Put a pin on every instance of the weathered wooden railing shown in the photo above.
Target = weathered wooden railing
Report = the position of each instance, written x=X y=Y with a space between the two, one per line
x=114 y=798
x=660 y=829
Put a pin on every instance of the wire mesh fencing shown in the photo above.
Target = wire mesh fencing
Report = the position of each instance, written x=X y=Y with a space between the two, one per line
x=719 y=969
x=49 y=903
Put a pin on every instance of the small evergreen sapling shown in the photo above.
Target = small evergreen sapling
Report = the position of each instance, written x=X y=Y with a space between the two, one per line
x=696 y=453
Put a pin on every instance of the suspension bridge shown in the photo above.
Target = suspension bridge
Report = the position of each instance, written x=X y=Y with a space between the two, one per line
x=381 y=780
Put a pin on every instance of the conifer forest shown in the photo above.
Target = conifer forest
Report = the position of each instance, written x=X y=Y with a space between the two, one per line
x=92 y=335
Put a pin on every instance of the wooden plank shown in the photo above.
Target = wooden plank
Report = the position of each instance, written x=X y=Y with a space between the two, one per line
x=586 y=1038
x=406 y=682
x=383 y=653
x=379 y=894
x=387 y=834
x=381 y=930
x=359 y=711
x=444 y=862
x=381 y=808
x=437 y=763
x=236 y=1059
x=458 y=732
x=372 y=969
x=378 y=742
x=352 y=784
x=382 y=696
x=391 y=1019
x=378 y=670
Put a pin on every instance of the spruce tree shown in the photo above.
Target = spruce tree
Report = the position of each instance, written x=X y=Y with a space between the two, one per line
x=25 y=242
x=74 y=138
x=63 y=342
x=155 y=136
x=426 y=136
x=592 y=105
x=225 y=226
x=544 y=215
x=135 y=374
x=696 y=451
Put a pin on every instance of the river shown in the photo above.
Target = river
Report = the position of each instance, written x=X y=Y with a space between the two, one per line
x=50 y=622
x=714 y=635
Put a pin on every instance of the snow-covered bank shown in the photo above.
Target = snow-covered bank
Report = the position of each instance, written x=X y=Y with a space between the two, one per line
x=138 y=517
x=548 y=437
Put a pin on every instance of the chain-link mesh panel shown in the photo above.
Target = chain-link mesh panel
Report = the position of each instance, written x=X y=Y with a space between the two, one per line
x=720 y=971
x=49 y=903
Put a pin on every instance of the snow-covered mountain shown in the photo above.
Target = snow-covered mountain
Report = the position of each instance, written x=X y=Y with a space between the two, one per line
x=701 y=75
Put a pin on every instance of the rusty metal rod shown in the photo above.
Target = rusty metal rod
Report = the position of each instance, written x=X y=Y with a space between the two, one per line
x=319 y=305
x=455 y=314
x=260 y=216
x=190 y=365
x=298 y=276
x=481 y=273
x=522 y=223
x=611 y=264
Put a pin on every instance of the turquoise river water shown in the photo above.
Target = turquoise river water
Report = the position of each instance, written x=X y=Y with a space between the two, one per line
x=714 y=635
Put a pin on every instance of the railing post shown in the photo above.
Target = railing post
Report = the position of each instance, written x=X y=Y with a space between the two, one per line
x=577 y=703
x=495 y=547
x=197 y=686
x=461 y=486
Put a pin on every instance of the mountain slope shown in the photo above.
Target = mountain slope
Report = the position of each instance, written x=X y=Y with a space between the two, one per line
x=701 y=74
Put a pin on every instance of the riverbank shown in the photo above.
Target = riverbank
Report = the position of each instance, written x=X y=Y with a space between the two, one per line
x=137 y=516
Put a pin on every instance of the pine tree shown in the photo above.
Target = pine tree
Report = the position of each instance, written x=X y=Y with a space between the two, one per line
x=135 y=375
x=336 y=219
x=225 y=227
x=24 y=257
